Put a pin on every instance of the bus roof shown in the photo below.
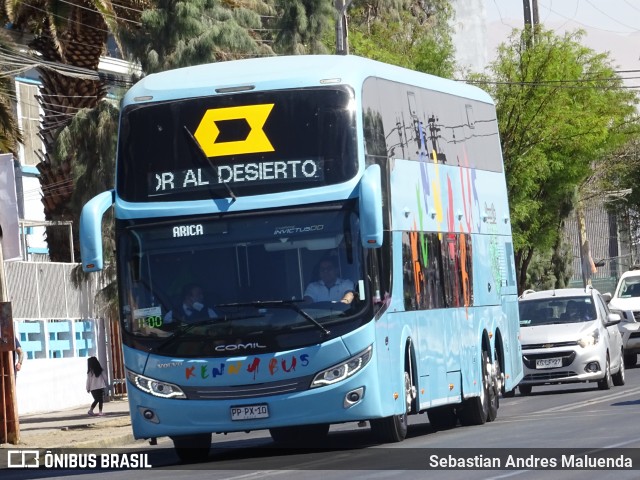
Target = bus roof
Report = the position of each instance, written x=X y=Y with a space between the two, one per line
x=272 y=73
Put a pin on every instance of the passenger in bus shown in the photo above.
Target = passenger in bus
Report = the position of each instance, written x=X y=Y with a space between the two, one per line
x=330 y=287
x=192 y=308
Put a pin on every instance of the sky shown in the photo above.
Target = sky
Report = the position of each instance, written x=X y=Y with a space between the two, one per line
x=612 y=25
x=620 y=17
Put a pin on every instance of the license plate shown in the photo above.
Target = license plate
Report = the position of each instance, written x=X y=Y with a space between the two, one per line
x=548 y=363
x=249 y=412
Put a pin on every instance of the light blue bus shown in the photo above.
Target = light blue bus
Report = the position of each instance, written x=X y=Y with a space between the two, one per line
x=242 y=178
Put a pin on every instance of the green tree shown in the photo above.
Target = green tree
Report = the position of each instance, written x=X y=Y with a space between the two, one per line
x=10 y=135
x=69 y=39
x=415 y=35
x=561 y=108
x=620 y=180
x=303 y=27
x=89 y=142
x=174 y=34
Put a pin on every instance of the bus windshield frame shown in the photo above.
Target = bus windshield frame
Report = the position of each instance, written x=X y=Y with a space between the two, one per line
x=248 y=143
x=253 y=270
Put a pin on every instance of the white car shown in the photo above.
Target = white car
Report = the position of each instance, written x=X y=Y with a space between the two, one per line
x=569 y=335
x=627 y=298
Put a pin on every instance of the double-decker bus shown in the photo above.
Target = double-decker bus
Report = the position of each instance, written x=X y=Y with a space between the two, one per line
x=241 y=177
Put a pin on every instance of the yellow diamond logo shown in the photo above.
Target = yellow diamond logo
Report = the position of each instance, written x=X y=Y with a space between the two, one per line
x=255 y=115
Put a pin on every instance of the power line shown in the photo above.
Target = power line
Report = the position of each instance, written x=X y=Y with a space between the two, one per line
x=115 y=17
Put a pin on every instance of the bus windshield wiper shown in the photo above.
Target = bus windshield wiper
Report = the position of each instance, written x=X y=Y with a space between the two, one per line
x=291 y=304
x=204 y=155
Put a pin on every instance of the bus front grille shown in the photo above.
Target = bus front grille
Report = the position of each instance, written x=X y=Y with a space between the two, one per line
x=232 y=392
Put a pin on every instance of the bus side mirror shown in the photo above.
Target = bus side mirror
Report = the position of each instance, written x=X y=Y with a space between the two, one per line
x=91 y=230
x=371 y=207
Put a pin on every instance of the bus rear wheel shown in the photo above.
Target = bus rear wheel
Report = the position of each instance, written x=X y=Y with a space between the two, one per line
x=303 y=434
x=192 y=448
x=393 y=429
x=478 y=410
x=442 y=418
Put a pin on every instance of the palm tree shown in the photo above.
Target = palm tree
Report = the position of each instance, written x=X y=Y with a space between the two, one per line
x=10 y=135
x=175 y=34
x=71 y=34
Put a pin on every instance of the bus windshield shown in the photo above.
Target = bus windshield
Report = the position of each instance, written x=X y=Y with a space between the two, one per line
x=202 y=286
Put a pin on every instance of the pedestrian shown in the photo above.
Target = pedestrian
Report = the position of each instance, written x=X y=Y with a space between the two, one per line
x=96 y=383
x=18 y=356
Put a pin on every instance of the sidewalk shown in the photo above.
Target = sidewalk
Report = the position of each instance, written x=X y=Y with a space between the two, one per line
x=74 y=428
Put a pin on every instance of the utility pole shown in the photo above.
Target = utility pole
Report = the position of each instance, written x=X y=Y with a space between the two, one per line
x=586 y=262
x=527 y=12
x=342 y=40
x=534 y=10
x=10 y=431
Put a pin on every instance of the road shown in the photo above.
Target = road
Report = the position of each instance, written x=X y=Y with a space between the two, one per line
x=541 y=427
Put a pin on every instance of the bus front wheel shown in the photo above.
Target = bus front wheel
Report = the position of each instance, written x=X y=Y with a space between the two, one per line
x=192 y=448
x=393 y=429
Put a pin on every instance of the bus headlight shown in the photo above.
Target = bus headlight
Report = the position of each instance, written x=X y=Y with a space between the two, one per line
x=343 y=370
x=155 y=387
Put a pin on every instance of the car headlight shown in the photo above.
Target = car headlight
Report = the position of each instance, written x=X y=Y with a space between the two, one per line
x=155 y=387
x=343 y=370
x=590 y=339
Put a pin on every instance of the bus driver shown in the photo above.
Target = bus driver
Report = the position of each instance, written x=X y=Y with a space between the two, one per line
x=330 y=287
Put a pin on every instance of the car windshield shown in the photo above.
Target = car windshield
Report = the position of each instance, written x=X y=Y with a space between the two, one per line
x=548 y=311
x=629 y=287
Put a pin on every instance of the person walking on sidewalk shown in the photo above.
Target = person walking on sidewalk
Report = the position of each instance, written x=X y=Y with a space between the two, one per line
x=96 y=382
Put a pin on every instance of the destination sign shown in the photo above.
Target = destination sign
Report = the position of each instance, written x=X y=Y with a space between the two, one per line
x=283 y=171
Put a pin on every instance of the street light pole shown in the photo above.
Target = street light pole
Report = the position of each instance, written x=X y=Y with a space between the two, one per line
x=342 y=42
x=10 y=432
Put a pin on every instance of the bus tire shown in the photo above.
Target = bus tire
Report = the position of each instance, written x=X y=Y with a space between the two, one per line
x=393 y=429
x=303 y=434
x=478 y=410
x=525 y=389
x=192 y=448
x=442 y=418
x=630 y=360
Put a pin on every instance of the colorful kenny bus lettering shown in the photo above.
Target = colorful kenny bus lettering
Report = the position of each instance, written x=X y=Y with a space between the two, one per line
x=346 y=252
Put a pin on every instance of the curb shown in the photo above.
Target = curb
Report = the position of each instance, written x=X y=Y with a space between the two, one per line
x=107 y=442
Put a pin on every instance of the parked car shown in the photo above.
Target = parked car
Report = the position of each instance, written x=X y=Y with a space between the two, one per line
x=625 y=298
x=569 y=335
x=630 y=330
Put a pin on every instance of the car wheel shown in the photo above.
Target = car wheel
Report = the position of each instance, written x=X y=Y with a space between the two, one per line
x=525 y=389
x=619 y=378
x=605 y=383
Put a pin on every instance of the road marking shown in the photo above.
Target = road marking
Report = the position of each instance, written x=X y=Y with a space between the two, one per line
x=606 y=398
